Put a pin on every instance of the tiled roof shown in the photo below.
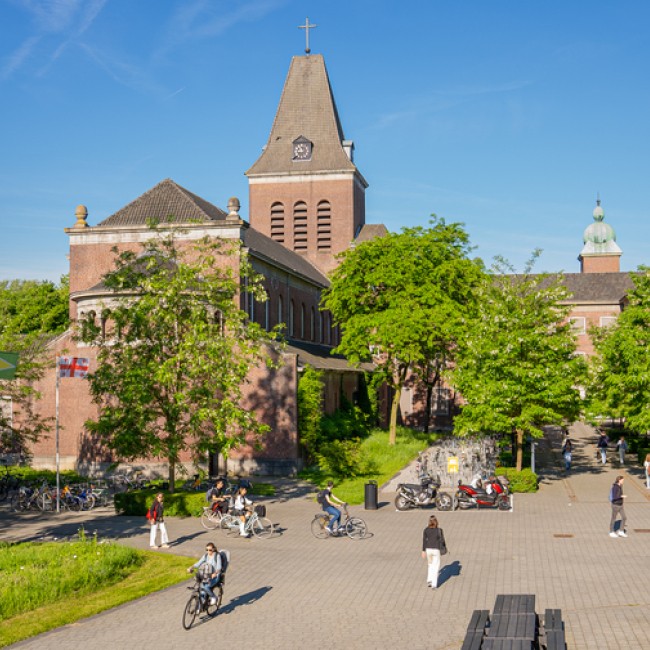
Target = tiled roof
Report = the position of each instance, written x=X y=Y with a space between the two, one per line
x=264 y=247
x=598 y=287
x=371 y=231
x=307 y=108
x=167 y=202
x=321 y=358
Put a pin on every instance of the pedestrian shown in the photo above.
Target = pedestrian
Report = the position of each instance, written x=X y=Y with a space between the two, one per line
x=646 y=465
x=621 y=445
x=567 y=450
x=616 y=497
x=603 y=443
x=157 y=521
x=433 y=547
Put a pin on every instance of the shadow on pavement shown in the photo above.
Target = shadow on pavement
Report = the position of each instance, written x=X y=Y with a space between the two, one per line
x=449 y=571
x=244 y=599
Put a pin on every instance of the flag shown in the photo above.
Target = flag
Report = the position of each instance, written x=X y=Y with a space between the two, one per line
x=73 y=366
x=8 y=363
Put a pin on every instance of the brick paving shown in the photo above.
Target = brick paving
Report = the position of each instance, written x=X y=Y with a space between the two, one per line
x=294 y=591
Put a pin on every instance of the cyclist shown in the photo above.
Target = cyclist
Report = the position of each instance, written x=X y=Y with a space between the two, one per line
x=217 y=497
x=242 y=508
x=209 y=566
x=326 y=498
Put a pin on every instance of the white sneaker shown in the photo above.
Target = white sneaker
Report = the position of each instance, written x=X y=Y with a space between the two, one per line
x=622 y=533
x=213 y=601
x=613 y=534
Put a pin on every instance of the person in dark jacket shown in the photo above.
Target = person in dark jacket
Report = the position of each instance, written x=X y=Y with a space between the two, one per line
x=157 y=521
x=616 y=497
x=433 y=546
x=602 y=445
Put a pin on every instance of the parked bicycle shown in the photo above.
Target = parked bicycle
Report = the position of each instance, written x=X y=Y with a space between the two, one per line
x=25 y=499
x=199 y=602
x=257 y=523
x=353 y=527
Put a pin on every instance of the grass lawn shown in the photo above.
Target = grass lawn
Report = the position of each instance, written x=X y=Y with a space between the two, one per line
x=46 y=585
x=385 y=460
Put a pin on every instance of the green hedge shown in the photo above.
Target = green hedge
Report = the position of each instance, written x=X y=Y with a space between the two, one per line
x=642 y=452
x=523 y=481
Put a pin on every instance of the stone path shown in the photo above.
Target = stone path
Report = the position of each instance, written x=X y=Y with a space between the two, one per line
x=295 y=591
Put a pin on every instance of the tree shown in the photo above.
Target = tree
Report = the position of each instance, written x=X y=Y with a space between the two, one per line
x=517 y=367
x=171 y=369
x=400 y=299
x=31 y=312
x=619 y=383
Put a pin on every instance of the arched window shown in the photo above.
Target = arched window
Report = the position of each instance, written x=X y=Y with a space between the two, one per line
x=267 y=319
x=321 y=328
x=300 y=226
x=277 y=222
x=302 y=321
x=280 y=311
x=106 y=314
x=312 y=325
x=324 y=226
x=291 y=319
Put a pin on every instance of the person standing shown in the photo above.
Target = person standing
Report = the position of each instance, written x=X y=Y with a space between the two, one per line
x=621 y=445
x=433 y=547
x=616 y=497
x=603 y=443
x=567 y=450
x=157 y=521
x=646 y=465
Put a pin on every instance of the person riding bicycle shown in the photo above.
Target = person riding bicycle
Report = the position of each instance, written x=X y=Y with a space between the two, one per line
x=209 y=567
x=217 y=497
x=326 y=498
x=242 y=508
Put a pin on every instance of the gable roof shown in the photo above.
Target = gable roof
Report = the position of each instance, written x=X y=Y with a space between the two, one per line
x=600 y=288
x=166 y=202
x=307 y=108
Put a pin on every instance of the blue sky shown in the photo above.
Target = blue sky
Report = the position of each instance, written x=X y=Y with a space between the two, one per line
x=507 y=116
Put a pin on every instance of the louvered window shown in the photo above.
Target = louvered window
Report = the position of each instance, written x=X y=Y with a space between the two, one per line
x=300 y=226
x=324 y=226
x=277 y=222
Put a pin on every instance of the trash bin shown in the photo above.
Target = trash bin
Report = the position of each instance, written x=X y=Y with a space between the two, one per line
x=370 y=501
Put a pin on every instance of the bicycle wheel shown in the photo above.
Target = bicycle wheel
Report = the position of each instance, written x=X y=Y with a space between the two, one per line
x=318 y=526
x=207 y=520
x=190 y=611
x=18 y=502
x=262 y=527
x=355 y=528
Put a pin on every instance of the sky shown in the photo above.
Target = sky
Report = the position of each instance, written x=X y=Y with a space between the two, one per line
x=510 y=117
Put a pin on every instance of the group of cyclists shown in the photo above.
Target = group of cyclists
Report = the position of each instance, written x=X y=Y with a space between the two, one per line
x=221 y=499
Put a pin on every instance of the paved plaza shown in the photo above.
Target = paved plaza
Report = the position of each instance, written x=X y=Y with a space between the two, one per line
x=294 y=591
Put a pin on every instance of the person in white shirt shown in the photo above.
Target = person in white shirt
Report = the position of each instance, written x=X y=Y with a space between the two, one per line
x=242 y=508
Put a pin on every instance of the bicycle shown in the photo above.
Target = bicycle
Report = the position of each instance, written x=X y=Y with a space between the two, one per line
x=211 y=520
x=25 y=499
x=200 y=602
x=353 y=527
x=258 y=525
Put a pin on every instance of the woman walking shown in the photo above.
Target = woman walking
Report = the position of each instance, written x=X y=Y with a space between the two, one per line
x=646 y=465
x=156 y=519
x=433 y=546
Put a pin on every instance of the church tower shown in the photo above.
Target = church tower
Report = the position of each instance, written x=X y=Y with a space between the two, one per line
x=601 y=253
x=305 y=191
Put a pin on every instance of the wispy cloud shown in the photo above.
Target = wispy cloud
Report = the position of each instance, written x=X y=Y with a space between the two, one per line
x=57 y=24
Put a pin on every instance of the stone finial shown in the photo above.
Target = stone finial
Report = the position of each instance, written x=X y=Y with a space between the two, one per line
x=82 y=214
x=233 y=209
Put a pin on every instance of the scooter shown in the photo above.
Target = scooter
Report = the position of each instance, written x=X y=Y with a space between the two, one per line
x=495 y=494
x=417 y=495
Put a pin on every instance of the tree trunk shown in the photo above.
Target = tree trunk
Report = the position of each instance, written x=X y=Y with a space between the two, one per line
x=392 y=429
x=172 y=476
x=520 y=450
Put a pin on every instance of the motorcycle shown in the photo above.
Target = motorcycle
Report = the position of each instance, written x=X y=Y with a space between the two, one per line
x=417 y=495
x=495 y=494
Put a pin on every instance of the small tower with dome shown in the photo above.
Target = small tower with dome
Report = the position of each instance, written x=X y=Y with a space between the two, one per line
x=601 y=253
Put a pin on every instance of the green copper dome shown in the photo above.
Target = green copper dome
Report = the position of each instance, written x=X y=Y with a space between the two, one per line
x=599 y=232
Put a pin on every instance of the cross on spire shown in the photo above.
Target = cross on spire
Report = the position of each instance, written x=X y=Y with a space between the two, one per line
x=307 y=26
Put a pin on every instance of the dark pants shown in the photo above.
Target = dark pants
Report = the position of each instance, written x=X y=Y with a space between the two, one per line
x=616 y=512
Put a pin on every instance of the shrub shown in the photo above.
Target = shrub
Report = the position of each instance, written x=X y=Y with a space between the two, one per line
x=341 y=458
x=641 y=453
x=523 y=481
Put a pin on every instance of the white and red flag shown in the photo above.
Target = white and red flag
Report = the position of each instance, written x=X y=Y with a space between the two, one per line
x=73 y=366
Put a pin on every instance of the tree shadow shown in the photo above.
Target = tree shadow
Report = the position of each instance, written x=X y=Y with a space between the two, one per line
x=449 y=571
x=244 y=599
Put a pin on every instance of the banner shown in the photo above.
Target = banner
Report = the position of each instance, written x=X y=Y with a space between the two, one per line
x=73 y=366
x=8 y=363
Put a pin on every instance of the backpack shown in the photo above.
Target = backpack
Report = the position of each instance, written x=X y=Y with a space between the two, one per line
x=321 y=497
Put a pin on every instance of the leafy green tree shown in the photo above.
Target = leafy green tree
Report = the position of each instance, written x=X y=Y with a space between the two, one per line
x=30 y=313
x=619 y=383
x=400 y=300
x=517 y=367
x=172 y=366
x=310 y=409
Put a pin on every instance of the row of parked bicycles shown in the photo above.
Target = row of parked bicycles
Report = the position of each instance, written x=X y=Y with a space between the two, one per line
x=73 y=498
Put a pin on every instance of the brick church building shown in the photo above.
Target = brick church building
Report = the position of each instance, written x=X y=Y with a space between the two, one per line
x=306 y=205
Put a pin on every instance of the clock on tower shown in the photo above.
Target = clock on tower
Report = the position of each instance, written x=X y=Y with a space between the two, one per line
x=302 y=149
